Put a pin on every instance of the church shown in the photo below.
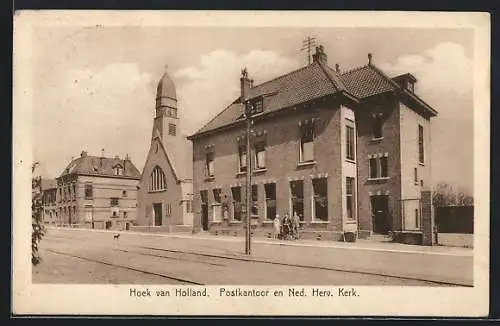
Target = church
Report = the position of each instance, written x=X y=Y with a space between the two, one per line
x=166 y=185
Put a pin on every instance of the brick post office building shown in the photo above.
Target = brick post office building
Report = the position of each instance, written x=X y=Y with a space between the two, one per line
x=98 y=192
x=344 y=150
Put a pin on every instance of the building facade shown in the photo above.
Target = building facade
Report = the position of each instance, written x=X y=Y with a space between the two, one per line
x=49 y=201
x=343 y=150
x=166 y=186
x=98 y=192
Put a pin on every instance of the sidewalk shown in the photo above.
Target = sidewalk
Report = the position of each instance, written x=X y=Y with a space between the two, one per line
x=360 y=244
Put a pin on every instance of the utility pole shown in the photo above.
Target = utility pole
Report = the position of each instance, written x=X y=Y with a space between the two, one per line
x=308 y=44
x=248 y=181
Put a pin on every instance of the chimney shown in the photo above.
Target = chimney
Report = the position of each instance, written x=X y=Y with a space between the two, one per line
x=337 y=68
x=369 y=58
x=83 y=154
x=102 y=156
x=320 y=55
x=245 y=83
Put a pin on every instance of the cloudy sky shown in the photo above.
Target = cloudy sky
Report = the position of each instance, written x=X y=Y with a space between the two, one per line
x=94 y=87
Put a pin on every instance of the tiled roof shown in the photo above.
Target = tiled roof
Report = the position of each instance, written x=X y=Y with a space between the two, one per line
x=101 y=166
x=308 y=83
x=367 y=81
x=299 y=86
x=49 y=184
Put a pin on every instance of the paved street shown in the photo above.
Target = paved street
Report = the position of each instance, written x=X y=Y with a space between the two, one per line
x=86 y=256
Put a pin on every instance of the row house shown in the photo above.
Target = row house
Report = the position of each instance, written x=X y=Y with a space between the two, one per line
x=343 y=150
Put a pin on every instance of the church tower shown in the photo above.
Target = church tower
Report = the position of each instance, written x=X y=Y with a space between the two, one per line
x=166 y=121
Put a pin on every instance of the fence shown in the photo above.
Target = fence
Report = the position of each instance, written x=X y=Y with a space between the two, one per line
x=455 y=219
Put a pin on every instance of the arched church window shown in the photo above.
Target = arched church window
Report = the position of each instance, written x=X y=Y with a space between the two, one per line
x=157 y=180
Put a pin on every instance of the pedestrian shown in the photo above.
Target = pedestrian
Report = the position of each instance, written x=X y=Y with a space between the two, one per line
x=277 y=227
x=225 y=207
x=286 y=227
x=296 y=225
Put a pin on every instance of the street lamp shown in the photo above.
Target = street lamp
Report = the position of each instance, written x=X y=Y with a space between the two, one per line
x=248 y=180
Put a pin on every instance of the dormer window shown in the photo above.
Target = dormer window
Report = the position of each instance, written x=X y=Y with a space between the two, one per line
x=257 y=105
x=406 y=81
x=118 y=170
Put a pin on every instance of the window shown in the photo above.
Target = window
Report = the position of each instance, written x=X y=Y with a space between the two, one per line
x=320 y=196
x=189 y=206
x=172 y=129
x=113 y=201
x=377 y=127
x=172 y=112
x=74 y=190
x=210 y=164
x=204 y=196
x=417 y=219
x=236 y=193
x=350 y=143
x=255 y=207
x=415 y=176
x=373 y=168
x=270 y=190
x=257 y=106
x=379 y=167
x=242 y=162
x=217 y=197
x=118 y=170
x=260 y=156
x=297 y=198
x=124 y=215
x=350 y=199
x=306 y=143
x=157 y=180
x=124 y=193
x=383 y=167
x=420 y=144
x=411 y=87
x=88 y=191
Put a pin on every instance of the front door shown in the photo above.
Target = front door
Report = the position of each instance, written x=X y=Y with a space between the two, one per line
x=204 y=216
x=380 y=214
x=157 y=213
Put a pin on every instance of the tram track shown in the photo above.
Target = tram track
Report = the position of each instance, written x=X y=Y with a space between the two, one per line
x=180 y=280
x=344 y=270
x=211 y=259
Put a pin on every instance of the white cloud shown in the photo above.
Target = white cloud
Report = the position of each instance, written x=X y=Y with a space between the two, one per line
x=445 y=80
x=111 y=108
x=442 y=72
x=207 y=88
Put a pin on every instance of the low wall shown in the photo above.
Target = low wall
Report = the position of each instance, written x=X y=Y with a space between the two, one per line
x=163 y=229
x=456 y=240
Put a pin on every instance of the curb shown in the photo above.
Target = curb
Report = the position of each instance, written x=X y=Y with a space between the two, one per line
x=330 y=245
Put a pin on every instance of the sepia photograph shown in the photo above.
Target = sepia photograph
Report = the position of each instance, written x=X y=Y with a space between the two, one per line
x=234 y=157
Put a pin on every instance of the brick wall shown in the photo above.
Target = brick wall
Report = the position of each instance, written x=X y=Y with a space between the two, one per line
x=282 y=157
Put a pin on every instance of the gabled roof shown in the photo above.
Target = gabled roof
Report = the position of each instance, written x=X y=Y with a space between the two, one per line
x=311 y=82
x=299 y=86
x=367 y=81
x=179 y=152
x=101 y=166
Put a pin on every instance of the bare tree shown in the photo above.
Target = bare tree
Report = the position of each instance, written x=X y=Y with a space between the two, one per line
x=445 y=195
